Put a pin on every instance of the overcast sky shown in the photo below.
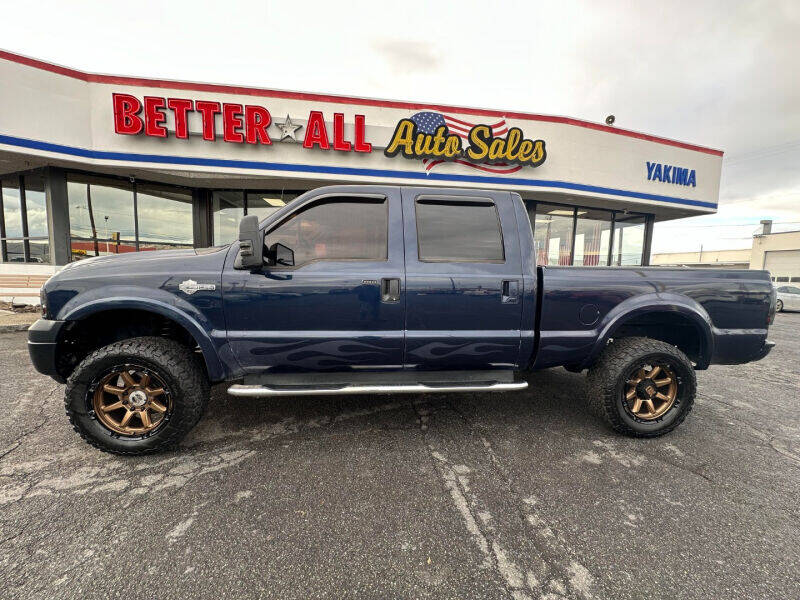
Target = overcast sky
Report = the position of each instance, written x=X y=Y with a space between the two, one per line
x=717 y=73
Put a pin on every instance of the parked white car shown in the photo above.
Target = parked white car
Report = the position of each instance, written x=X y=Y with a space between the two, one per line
x=788 y=297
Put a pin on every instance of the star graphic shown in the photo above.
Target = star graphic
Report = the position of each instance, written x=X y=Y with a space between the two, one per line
x=288 y=129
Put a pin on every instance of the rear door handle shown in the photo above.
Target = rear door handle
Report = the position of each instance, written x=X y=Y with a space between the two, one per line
x=390 y=289
x=510 y=293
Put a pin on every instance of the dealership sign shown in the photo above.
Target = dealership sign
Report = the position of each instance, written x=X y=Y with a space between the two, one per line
x=671 y=174
x=432 y=137
x=241 y=124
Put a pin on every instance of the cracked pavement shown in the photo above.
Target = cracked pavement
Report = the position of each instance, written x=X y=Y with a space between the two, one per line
x=521 y=495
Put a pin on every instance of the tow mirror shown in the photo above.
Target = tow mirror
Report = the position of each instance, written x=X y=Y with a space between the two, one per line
x=280 y=255
x=251 y=244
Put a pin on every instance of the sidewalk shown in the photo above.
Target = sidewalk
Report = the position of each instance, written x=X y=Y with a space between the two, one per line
x=16 y=321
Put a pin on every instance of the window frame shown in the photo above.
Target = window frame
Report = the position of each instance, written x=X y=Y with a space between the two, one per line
x=445 y=200
x=133 y=182
x=25 y=238
x=270 y=227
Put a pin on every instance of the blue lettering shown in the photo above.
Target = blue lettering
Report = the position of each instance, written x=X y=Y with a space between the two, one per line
x=691 y=181
x=667 y=173
x=657 y=173
x=680 y=176
x=650 y=167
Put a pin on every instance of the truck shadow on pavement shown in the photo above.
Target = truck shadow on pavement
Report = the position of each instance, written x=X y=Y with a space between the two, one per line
x=554 y=400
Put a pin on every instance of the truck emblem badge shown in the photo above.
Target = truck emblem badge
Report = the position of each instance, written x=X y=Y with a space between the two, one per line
x=190 y=286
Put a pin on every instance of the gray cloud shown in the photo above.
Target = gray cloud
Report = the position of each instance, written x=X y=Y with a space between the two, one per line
x=408 y=57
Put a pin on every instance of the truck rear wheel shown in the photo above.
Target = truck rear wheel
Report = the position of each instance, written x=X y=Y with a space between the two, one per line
x=136 y=396
x=642 y=387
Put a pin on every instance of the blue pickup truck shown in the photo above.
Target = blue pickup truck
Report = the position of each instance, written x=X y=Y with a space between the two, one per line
x=379 y=289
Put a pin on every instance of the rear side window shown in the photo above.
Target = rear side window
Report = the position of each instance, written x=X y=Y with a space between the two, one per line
x=336 y=229
x=458 y=230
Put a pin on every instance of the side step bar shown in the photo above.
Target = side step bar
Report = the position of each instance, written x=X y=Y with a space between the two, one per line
x=413 y=388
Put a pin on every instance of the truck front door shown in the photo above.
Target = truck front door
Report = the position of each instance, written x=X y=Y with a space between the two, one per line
x=340 y=306
x=463 y=280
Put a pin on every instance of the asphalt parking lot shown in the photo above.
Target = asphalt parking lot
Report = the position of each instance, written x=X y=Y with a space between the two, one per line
x=517 y=496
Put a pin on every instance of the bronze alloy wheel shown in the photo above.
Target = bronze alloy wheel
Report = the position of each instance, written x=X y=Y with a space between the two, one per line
x=131 y=401
x=651 y=391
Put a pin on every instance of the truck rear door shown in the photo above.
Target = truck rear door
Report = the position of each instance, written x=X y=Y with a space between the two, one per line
x=463 y=280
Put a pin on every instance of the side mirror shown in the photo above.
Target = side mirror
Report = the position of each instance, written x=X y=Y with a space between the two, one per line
x=281 y=255
x=251 y=244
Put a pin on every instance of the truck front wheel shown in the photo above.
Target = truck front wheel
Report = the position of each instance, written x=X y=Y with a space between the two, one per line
x=136 y=396
x=642 y=387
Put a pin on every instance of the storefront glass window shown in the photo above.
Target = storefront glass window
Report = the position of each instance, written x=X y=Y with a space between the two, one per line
x=11 y=207
x=552 y=234
x=36 y=212
x=100 y=216
x=165 y=217
x=592 y=236
x=629 y=233
x=228 y=209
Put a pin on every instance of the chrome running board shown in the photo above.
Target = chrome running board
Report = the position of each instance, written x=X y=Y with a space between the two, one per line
x=414 y=388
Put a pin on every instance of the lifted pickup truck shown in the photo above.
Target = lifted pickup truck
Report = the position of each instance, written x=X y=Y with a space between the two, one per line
x=379 y=289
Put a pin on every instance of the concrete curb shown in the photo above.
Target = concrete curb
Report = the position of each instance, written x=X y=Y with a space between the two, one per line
x=17 y=327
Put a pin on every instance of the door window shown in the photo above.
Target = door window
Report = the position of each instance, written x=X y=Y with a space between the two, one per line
x=336 y=229
x=458 y=231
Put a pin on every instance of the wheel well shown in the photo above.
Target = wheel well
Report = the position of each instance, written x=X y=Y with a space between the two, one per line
x=99 y=329
x=673 y=328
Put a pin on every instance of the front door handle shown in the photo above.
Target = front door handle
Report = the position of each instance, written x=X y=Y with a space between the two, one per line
x=510 y=293
x=390 y=289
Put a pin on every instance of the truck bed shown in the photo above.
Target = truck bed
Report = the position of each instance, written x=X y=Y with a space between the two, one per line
x=581 y=308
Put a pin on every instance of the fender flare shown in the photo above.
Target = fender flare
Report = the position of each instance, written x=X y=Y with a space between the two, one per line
x=214 y=366
x=656 y=302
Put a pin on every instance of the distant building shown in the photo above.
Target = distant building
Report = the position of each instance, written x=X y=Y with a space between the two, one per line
x=778 y=253
x=717 y=259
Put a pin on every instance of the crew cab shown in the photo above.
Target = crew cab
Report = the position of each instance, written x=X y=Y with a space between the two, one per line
x=381 y=289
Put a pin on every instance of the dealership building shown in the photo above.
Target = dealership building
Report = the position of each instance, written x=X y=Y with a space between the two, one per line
x=102 y=164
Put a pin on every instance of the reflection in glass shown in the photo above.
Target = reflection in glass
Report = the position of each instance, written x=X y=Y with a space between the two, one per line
x=336 y=229
x=628 y=240
x=11 y=208
x=165 y=217
x=35 y=206
x=263 y=204
x=100 y=216
x=40 y=251
x=552 y=234
x=592 y=235
x=228 y=210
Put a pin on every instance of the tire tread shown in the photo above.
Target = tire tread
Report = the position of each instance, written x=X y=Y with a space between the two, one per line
x=603 y=377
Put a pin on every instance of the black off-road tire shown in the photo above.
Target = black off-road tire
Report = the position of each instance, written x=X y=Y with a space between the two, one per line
x=174 y=363
x=779 y=306
x=605 y=385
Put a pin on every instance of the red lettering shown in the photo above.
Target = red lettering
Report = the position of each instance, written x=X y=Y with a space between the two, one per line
x=316 y=132
x=256 y=121
x=361 y=130
x=232 y=121
x=208 y=110
x=154 y=117
x=339 y=143
x=180 y=108
x=126 y=114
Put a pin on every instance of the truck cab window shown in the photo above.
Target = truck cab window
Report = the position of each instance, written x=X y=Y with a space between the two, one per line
x=458 y=231
x=335 y=229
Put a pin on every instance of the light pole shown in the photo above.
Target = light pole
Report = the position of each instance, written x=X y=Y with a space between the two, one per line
x=106 y=219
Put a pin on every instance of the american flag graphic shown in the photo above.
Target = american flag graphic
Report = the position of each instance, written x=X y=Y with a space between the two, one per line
x=429 y=122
